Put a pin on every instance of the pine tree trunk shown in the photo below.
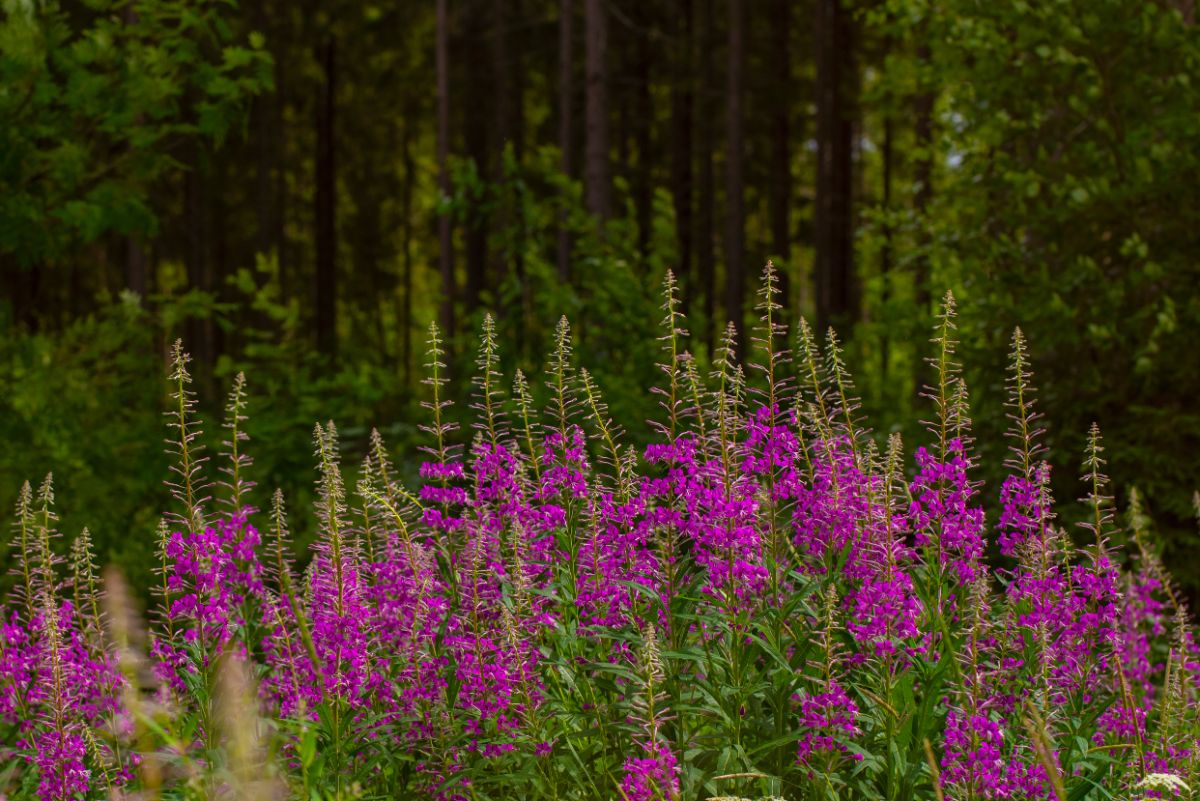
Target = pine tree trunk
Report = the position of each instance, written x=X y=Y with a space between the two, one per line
x=780 y=184
x=682 y=98
x=735 y=213
x=445 y=234
x=406 y=317
x=885 y=254
x=597 y=178
x=566 y=101
x=325 y=205
x=642 y=124
x=705 y=190
x=835 y=285
x=478 y=100
x=198 y=331
x=923 y=131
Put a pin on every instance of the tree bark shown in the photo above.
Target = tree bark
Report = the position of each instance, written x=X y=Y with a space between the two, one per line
x=198 y=331
x=705 y=214
x=479 y=98
x=135 y=257
x=735 y=212
x=280 y=141
x=135 y=263
x=923 y=131
x=780 y=184
x=642 y=124
x=835 y=284
x=566 y=145
x=597 y=178
x=885 y=254
x=445 y=234
x=325 y=204
x=410 y=169
x=682 y=98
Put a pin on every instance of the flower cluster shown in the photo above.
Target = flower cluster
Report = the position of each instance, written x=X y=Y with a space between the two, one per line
x=759 y=599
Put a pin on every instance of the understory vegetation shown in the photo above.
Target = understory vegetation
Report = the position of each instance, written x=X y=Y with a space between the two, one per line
x=768 y=599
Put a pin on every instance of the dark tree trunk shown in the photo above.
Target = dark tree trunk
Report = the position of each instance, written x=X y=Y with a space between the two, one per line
x=885 y=254
x=835 y=284
x=198 y=332
x=682 y=98
x=516 y=41
x=279 y=140
x=502 y=79
x=406 y=319
x=566 y=145
x=445 y=240
x=780 y=184
x=478 y=98
x=642 y=124
x=597 y=180
x=135 y=257
x=264 y=205
x=325 y=204
x=135 y=265
x=705 y=214
x=923 y=131
x=735 y=212
x=220 y=255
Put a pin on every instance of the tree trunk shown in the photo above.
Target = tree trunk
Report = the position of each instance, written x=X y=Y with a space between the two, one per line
x=517 y=42
x=735 y=212
x=566 y=101
x=406 y=327
x=220 y=255
x=478 y=99
x=445 y=241
x=597 y=180
x=705 y=240
x=135 y=257
x=780 y=184
x=135 y=264
x=835 y=285
x=280 y=140
x=923 y=131
x=682 y=97
x=885 y=254
x=198 y=332
x=642 y=124
x=325 y=205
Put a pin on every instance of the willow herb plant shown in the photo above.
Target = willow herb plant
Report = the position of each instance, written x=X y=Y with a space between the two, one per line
x=767 y=601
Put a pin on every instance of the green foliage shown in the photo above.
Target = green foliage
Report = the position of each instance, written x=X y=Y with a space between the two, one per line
x=86 y=400
x=1066 y=165
x=95 y=106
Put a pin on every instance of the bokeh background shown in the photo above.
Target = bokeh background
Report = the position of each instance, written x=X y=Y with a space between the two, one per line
x=298 y=189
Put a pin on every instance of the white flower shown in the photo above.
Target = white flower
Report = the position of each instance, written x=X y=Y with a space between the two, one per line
x=1164 y=782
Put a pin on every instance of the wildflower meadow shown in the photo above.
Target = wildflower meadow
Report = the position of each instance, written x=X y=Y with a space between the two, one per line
x=770 y=600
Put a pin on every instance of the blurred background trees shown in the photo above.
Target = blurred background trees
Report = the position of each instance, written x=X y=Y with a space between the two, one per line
x=299 y=188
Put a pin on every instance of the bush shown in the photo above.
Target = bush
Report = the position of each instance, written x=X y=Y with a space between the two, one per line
x=760 y=602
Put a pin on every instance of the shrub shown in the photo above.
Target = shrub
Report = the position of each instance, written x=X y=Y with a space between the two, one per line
x=764 y=601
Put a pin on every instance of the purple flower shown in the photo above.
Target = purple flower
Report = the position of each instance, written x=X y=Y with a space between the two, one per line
x=653 y=777
x=60 y=760
x=828 y=719
x=943 y=518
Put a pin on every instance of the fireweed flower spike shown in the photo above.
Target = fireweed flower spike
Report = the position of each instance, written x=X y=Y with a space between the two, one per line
x=654 y=775
x=945 y=520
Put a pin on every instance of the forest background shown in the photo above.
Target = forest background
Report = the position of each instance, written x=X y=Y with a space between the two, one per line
x=298 y=189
